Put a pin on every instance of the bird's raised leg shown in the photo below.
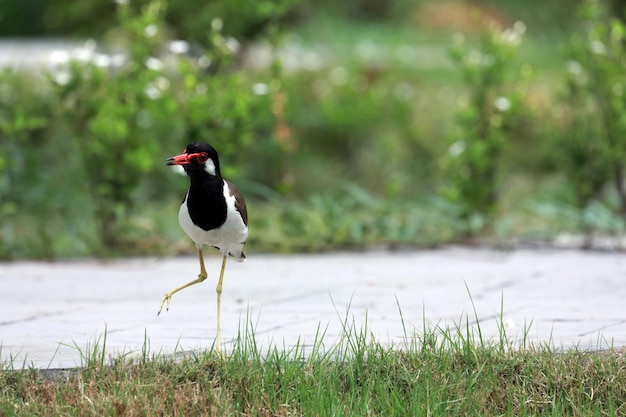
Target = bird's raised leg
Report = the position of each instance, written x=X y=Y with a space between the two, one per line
x=218 y=290
x=201 y=277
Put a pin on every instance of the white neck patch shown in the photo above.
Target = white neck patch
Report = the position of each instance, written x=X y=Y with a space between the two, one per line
x=209 y=167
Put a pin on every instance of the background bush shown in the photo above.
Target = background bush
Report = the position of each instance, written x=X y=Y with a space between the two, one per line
x=595 y=131
x=366 y=125
x=485 y=123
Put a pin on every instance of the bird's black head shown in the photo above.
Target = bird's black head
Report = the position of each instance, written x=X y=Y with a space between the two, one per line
x=198 y=157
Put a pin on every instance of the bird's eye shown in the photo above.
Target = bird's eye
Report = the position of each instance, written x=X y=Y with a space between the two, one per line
x=203 y=157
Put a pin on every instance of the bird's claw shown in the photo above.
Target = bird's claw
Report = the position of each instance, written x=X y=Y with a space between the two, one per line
x=166 y=298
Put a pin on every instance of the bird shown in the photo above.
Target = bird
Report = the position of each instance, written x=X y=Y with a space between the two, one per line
x=213 y=212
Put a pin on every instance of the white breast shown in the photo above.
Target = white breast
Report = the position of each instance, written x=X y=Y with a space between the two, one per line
x=228 y=238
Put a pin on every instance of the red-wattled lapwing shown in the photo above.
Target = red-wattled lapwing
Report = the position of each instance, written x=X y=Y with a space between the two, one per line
x=213 y=213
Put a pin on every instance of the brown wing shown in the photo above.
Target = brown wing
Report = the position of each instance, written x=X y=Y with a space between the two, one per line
x=240 y=203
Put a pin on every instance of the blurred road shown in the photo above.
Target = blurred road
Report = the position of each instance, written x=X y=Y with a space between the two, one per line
x=33 y=53
x=51 y=312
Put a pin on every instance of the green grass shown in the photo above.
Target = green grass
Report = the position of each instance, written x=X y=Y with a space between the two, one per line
x=452 y=371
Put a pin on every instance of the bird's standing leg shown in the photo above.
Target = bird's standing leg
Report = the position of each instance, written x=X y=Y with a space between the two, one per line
x=218 y=290
x=201 y=277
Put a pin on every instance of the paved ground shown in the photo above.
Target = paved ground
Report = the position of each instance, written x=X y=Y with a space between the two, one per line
x=50 y=312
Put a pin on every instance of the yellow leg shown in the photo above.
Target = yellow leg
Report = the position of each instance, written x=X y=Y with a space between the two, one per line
x=218 y=290
x=167 y=298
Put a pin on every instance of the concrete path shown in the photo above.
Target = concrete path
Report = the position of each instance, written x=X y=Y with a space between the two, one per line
x=51 y=313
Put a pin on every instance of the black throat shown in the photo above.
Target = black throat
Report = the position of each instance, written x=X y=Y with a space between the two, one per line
x=206 y=202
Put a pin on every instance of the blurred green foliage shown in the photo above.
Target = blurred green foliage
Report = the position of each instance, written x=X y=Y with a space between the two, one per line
x=24 y=113
x=594 y=104
x=113 y=119
x=347 y=145
x=358 y=119
x=484 y=124
x=251 y=18
x=189 y=20
x=350 y=217
x=116 y=114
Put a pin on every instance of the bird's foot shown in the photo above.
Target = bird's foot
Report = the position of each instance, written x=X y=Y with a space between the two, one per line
x=167 y=298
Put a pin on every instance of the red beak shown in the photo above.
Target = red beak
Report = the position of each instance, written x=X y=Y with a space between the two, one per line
x=182 y=159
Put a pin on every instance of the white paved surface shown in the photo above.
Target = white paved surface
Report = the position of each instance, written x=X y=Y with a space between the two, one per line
x=49 y=312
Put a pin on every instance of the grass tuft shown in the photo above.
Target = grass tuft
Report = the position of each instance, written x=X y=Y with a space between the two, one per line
x=440 y=370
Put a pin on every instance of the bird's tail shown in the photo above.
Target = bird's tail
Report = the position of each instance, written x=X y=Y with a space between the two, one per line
x=238 y=256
